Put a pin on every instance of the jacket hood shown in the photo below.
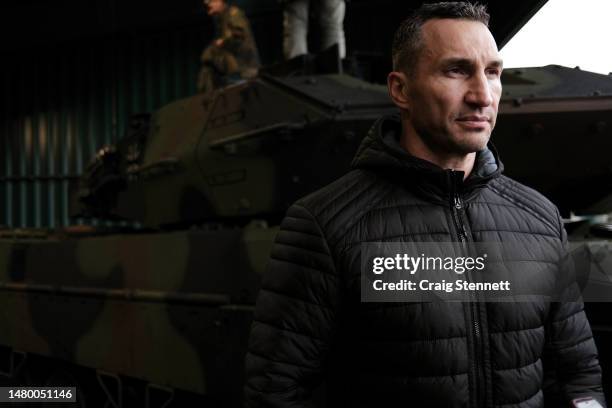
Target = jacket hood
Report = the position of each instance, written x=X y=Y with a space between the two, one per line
x=381 y=152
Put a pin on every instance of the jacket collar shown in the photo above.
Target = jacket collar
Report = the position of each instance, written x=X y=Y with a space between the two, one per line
x=381 y=152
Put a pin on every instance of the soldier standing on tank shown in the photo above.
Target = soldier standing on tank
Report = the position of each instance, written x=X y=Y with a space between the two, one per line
x=330 y=16
x=232 y=55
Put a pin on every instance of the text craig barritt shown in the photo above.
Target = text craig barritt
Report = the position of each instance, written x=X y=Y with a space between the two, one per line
x=459 y=265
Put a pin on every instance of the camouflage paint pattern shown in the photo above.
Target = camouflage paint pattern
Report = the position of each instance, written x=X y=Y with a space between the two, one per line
x=173 y=309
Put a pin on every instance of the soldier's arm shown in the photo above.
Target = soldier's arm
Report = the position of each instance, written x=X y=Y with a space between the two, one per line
x=294 y=317
x=237 y=29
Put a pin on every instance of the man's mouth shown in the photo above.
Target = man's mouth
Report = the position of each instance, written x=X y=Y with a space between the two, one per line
x=474 y=121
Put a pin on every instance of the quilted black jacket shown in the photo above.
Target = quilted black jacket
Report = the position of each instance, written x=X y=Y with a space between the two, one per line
x=310 y=326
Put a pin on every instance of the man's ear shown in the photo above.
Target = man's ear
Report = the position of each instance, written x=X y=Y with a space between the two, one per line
x=397 y=83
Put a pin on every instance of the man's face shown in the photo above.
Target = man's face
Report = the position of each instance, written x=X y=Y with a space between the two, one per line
x=214 y=7
x=454 y=92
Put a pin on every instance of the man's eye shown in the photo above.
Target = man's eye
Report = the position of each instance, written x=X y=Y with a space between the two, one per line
x=455 y=71
x=494 y=72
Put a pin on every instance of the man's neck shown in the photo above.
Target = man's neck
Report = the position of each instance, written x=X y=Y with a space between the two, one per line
x=414 y=145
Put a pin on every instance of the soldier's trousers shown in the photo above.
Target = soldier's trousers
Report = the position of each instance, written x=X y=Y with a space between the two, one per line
x=330 y=17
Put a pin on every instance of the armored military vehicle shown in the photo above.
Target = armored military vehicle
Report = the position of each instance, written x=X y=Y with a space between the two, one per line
x=153 y=308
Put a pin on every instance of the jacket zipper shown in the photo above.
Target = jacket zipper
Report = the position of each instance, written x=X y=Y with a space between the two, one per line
x=477 y=364
x=456 y=207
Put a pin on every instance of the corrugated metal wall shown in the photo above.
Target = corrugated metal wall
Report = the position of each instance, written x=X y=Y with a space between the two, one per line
x=61 y=105
x=58 y=106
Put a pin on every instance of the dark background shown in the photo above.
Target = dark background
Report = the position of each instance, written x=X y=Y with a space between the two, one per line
x=38 y=25
x=73 y=72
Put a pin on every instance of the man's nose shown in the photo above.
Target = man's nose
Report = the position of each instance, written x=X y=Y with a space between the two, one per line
x=479 y=92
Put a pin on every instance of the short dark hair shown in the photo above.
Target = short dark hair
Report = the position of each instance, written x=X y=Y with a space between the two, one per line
x=407 y=40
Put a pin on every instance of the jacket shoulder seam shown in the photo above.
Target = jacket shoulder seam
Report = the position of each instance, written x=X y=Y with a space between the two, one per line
x=362 y=214
x=323 y=237
x=524 y=206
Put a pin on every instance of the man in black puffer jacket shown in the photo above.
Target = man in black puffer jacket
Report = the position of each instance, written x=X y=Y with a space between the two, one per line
x=428 y=175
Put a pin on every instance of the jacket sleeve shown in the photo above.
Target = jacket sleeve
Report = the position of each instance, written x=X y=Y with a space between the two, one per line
x=294 y=316
x=571 y=362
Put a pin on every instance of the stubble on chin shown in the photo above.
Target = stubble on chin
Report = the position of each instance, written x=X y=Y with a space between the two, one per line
x=447 y=143
x=472 y=143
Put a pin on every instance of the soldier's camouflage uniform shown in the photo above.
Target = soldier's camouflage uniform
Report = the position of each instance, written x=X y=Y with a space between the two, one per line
x=236 y=58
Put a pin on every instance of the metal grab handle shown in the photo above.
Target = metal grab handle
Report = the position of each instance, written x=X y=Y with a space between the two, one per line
x=118 y=403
